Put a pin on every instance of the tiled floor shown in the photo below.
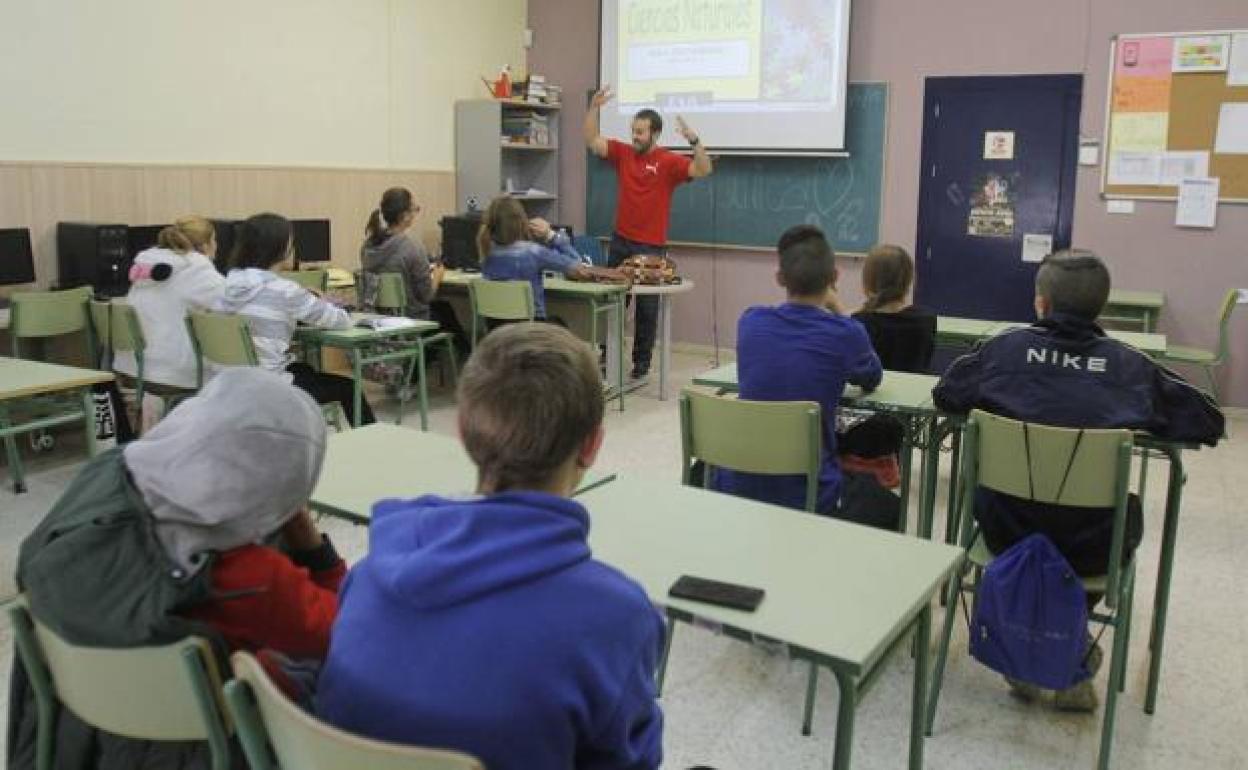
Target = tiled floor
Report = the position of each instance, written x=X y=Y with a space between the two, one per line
x=738 y=708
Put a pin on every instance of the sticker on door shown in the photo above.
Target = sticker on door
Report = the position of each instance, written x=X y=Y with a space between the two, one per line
x=992 y=208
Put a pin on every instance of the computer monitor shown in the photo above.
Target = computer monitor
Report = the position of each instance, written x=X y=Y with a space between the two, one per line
x=143 y=237
x=311 y=240
x=17 y=258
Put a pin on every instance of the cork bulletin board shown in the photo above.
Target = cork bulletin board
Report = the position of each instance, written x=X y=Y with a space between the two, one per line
x=1168 y=97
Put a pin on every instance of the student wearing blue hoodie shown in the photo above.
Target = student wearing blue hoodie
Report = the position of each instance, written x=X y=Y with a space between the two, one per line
x=483 y=623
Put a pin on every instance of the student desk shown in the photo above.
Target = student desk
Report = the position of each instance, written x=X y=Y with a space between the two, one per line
x=838 y=595
x=380 y=461
x=579 y=304
x=23 y=380
x=952 y=331
x=664 y=322
x=909 y=398
x=357 y=341
x=1139 y=308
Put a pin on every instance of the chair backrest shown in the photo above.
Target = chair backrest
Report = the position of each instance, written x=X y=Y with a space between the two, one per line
x=276 y=733
x=316 y=280
x=166 y=693
x=1061 y=466
x=221 y=338
x=771 y=437
x=49 y=314
x=102 y=324
x=127 y=332
x=502 y=300
x=391 y=293
x=1224 y=324
x=1077 y=467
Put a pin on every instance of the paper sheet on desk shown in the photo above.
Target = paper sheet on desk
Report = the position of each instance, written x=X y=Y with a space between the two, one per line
x=385 y=323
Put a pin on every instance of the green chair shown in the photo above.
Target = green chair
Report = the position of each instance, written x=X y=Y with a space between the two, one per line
x=276 y=734
x=118 y=329
x=39 y=315
x=498 y=301
x=389 y=297
x=1208 y=360
x=784 y=438
x=224 y=339
x=1082 y=468
x=43 y=314
x=313 y=280
x=166 y=693
x=102 y=326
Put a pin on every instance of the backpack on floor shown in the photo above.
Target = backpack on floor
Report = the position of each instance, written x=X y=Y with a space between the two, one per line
x=1031 y=616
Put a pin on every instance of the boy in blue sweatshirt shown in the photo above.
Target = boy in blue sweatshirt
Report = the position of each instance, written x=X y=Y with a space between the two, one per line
x=483 y=624
x=806 y=349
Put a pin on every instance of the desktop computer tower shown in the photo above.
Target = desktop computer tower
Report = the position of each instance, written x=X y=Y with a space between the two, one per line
x=93 y=254
x=459 y=241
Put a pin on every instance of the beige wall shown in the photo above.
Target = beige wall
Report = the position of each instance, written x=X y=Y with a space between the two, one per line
x=342 y=83
x=38 y=195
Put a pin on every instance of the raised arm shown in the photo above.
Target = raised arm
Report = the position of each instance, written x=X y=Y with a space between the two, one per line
x=701 y=165
x=595 y=141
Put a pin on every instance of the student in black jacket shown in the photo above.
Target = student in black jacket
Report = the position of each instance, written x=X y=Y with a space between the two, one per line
x=1062 y=370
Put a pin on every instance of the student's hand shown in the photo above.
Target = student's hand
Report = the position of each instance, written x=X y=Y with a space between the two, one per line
x=438 y=270
x=601 y=97
x=833 y=302
x=301 y=533
x=684 y=130
x=540 y=228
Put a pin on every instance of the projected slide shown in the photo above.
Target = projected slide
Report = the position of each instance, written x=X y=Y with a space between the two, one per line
x=721 y=60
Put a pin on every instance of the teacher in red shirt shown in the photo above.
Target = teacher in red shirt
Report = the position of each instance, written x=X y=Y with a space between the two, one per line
x=647 y=174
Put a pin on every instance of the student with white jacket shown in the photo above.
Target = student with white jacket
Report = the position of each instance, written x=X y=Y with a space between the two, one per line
x=274 y=306
x=167 y=280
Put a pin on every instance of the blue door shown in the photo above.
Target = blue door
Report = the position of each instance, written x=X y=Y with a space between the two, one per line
x=999 y=157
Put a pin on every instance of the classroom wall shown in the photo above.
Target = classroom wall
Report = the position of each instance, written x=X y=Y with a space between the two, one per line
x=142 y=111
x=360 y=84
x=903 y=41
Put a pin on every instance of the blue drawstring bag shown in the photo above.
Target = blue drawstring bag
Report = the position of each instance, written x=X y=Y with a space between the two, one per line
x=1031 y=616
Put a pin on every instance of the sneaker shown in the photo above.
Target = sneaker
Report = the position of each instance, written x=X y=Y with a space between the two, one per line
x=1080 y=698
x=638 y=374
x=1024 y=691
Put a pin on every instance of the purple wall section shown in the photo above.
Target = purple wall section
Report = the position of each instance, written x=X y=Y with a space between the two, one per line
x=903 y=41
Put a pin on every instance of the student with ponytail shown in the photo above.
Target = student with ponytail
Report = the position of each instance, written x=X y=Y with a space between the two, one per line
x=903 y=335
x=166 y=281
x=387 y=248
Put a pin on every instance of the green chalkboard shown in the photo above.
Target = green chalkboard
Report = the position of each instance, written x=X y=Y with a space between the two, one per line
x=750 y=201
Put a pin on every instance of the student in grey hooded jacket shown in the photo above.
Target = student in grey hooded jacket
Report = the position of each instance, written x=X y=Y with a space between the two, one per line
x=198 y=528
x=274 y=306
x=387 y=248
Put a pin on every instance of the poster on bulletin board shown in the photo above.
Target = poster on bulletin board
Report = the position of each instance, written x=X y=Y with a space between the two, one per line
x=1177 y=109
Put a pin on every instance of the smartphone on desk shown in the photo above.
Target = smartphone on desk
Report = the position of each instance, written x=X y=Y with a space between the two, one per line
x=731 y=595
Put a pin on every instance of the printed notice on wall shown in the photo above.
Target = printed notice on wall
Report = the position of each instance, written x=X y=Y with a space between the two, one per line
x=1232 y=129
x=1135 y=168
x=1139 y=131
x=1198 y=203
x=1237 y=71
x=1037 y=246
x=1206 y=53
x=1177 y=166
